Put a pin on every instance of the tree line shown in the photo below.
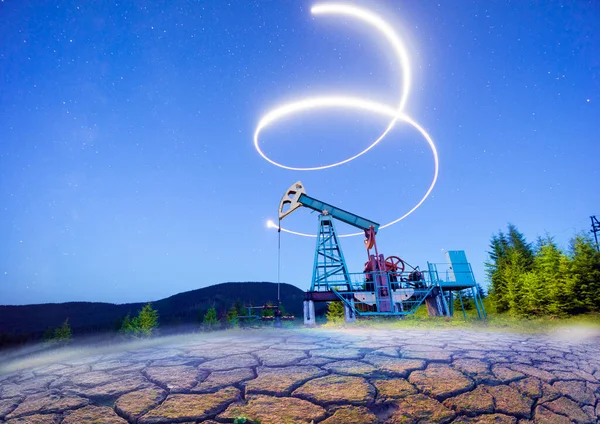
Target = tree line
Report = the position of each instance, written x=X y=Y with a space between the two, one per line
x=540 y=279
x=235 y=316
x=146 y=322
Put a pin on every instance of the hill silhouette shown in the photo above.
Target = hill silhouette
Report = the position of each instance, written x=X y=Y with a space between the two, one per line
x=20 y=324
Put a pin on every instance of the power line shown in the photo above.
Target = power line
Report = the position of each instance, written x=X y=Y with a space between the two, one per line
x=595 y=229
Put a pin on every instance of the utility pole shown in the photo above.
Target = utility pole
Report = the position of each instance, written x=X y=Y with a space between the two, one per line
x=595 y=230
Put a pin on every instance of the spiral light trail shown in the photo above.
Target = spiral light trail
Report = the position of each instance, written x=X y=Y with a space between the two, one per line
x=322 y=102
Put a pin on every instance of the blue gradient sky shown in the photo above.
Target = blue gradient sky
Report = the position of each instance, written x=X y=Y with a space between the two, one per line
x=127 y=170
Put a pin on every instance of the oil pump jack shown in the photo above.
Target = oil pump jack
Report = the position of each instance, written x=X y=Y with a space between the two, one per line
x=385 y=287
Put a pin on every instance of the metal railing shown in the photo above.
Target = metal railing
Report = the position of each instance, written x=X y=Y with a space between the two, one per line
x=382 y=293
x=397 y=294
x=436 y=274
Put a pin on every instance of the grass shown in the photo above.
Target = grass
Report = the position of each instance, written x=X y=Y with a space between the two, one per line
x=501 y=322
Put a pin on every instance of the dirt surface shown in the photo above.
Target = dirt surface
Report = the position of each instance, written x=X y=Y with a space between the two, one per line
x=325 y=376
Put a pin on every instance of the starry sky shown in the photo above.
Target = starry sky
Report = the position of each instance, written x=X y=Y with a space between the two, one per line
x=127 y=167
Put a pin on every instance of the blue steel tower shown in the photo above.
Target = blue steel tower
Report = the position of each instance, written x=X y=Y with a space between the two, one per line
x=330 y=270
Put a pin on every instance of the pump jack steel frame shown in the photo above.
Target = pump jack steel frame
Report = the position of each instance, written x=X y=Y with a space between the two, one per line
x=383 y=288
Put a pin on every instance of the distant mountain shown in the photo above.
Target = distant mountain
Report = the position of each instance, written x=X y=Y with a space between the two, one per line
x=28 y=322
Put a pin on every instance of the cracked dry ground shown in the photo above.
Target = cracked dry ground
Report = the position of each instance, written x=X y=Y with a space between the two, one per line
x=325 y=376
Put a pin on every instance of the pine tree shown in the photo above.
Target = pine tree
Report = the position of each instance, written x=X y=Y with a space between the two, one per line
x=517 y=241
x=335 y=312
x=510 y=257
x=210 y=318
x=513 y=275
x=571 y=304
x=127 y=326
x=495 y=268
x=534 y=301
x=147 y=320
x=63 y=333
x=551 y=266
x=143 y=325
x=585 y=271
x=232 y=315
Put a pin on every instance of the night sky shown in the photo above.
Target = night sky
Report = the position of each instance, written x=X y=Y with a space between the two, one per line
x=128 y=171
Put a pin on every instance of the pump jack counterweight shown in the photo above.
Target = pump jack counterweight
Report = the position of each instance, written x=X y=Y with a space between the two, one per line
x=384 y=287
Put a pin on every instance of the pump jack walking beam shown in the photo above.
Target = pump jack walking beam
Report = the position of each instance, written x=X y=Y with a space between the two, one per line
x=296 y=197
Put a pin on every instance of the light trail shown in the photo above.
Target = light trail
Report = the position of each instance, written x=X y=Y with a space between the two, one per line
x=320 y=102
x=385 y=28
